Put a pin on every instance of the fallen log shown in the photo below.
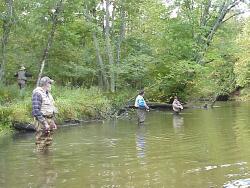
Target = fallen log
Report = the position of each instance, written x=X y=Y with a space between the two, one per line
x=24 y=127
x=155 y=105
x=158 y=105
x=28 y=127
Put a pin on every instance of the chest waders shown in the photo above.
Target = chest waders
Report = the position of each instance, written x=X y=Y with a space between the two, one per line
x=44 y=137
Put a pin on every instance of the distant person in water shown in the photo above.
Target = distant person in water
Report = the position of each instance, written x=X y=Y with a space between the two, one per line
x=176 y=105
x=141 y=107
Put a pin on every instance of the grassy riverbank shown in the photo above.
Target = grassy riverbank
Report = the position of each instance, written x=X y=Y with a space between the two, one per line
x=72 y=104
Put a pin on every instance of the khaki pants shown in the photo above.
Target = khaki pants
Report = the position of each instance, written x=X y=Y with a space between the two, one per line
x=141 y=115
x=44 y=137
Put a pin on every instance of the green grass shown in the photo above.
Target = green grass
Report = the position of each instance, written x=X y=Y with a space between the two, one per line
x=72 y=104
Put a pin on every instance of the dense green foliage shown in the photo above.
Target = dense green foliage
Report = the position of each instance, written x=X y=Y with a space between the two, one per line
x=73 y=104
x=168 y=48
x=194 y=49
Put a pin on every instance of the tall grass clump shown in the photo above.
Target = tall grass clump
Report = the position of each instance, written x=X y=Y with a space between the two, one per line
x=21 y=111
x=8 y=94
x=80 y=103
x=5 y=118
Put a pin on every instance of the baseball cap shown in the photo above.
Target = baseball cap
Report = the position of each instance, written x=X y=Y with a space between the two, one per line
x=45 y=80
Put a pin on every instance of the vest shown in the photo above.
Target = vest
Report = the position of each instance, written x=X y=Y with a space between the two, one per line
x=177 y=107
x=48 y=102
x=21 y=75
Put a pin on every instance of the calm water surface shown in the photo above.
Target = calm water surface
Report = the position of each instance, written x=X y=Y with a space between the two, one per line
x=200 y=148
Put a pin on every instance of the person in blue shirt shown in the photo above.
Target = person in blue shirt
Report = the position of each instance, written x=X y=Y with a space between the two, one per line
x=141 y=107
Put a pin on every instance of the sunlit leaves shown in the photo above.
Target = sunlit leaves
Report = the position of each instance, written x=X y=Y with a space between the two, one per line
x=242 y=67
x=156 y=47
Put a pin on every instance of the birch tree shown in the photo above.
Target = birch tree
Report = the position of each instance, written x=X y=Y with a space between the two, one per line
x=211 y=15
x=109 y=46
x=89 y=13
x=54 y=19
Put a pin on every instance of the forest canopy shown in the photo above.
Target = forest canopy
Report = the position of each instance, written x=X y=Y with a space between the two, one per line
x=185 y=47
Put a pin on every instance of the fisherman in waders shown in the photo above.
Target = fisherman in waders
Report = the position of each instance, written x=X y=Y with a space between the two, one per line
x=22 y=76
x=43 y=110
x=141 y=107
x=176 y=105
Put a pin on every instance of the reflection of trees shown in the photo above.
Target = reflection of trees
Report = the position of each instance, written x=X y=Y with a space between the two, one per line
x=228 y=128
x=241 y=128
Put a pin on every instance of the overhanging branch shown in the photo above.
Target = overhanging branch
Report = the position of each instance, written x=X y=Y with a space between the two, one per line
x=233 y=15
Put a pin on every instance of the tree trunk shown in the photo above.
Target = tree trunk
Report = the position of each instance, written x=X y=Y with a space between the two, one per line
x=122 y=33
x=109 y=48
x=224 y=9
x=103 y=75
x=7 y=23
x=50 y=39
x=205 y=13
x=120 y=39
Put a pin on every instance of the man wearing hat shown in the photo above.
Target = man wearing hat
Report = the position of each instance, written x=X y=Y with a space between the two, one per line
x=177 y=106
x=22 y=77
x=43 y=111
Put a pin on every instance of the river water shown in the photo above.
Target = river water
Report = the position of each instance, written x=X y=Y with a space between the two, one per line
x=199 y=148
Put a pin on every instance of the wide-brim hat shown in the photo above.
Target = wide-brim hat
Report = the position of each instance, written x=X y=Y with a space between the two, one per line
x=22 y=68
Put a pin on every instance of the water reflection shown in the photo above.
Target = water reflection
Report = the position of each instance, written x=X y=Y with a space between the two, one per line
x=48 y=175
x=140 y=141
x=212 y=152
x=178 y=121
x=20 y=136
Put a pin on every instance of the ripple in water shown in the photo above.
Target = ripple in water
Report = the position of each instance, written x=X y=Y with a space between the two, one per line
x=242 y=183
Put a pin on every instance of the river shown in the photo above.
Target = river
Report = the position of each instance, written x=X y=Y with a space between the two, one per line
x=199 y=148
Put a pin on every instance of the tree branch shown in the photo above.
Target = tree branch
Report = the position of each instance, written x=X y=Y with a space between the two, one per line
x=205 y=13
x=233 y=15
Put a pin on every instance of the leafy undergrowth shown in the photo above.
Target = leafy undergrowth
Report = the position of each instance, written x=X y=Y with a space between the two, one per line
x=72 y=104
